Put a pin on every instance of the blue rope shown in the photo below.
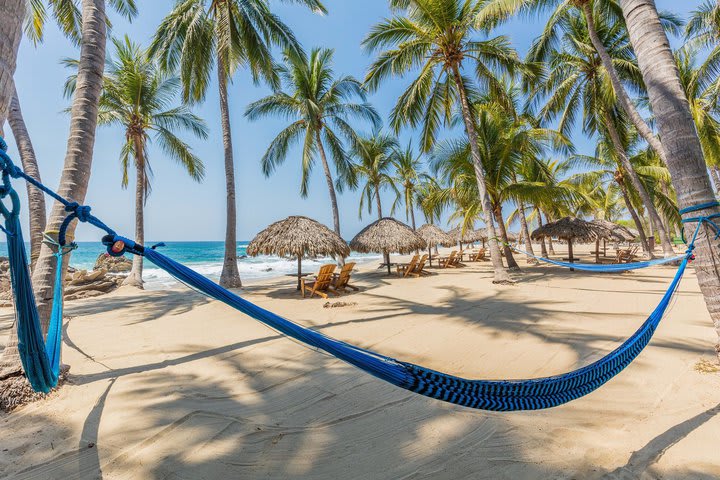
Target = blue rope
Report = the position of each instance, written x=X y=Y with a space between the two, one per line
x=613 y=267
x=499 y=395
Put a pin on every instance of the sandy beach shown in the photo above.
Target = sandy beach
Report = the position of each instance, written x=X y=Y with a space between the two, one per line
x=169 y=385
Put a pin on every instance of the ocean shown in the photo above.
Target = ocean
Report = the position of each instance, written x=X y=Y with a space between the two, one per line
x=205 y=258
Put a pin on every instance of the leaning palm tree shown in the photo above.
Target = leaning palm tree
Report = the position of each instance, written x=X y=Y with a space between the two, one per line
x=78 y=160
x=201 y=34
x=10 y=33
x=596 y=15
x=439 y=39
x=678 y=133
x=320 y=108
x=138 y=97
x=408 y=175
x=578 y=84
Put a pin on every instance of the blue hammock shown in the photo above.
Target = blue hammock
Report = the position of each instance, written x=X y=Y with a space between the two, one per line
x=41 y=361
x=597 y=267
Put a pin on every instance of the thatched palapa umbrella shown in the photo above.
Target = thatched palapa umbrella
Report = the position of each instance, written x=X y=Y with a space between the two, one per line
x=299 y=237
x=434 y=235
x=570 y=228
x=616 y=232
x=387 y=236
x=468 y=236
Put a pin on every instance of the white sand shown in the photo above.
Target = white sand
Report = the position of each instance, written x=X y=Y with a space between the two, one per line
x=167 y=385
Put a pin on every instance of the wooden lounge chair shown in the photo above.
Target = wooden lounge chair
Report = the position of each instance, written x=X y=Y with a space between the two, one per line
x=448 y=261
x=321 y=285
x=419 y=270
x=404 y=269
x=477 y=256
x=457 y=262
x=341 y=280
x=627 y=255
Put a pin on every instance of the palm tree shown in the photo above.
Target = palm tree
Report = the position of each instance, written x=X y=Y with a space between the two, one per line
x=228 y=34
x=437 y=38
x=578 y=82
x=13 y=13
x=702 y=31
x=593 y=12
x=679 y=135
x=376 y=158
x=320 y=108
x=138 y=97
x=408 y=176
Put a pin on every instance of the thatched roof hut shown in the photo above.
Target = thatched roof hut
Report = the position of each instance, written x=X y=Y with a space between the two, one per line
x=570 y=228
x=618 y=232
x=298 y=237
x=468 y=236
x=387 y=236
x=434 y=235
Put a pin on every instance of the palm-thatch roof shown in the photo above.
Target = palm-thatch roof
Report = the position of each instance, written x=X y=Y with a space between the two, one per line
x=570 y=228
x=387 y=235
x=618 y=232
x=299 y=237
x=434 y=235
x=468 y=236
x=512 y=236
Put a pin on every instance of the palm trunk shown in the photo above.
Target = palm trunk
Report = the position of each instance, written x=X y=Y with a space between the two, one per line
x=627 y=104
x=378 y=204
x=230 y=276
x=635 y=180
x=549 y=239
x=636 y=219
x=526 y=233
x=412 y=214
x=135 y=277
x=78 y=163
x=512 y=264
x=501 y=275
x=543 y=249
x=36 y=198
x=330 y=184
x=680 y=139
x=12 y=13
x=716 y=176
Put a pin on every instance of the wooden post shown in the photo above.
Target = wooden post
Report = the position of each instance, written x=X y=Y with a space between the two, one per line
x=570 y=252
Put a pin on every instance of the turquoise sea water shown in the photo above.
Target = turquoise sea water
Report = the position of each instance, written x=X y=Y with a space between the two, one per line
x=206 y=258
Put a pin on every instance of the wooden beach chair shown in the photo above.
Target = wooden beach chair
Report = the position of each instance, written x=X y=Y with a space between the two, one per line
x=477 y=256
x=448 y=261
x=321 y=285
x=627 y=255
x=419 y=270
x=404 y=269
x=341 y=281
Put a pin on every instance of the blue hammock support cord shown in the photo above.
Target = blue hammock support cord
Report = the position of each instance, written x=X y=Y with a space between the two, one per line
x=39 y=359
x=597 y=267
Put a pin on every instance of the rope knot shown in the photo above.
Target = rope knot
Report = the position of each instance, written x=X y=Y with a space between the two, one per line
x=82 y=212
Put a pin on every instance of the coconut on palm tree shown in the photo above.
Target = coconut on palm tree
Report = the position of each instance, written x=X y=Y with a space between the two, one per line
x=439 y=41
x=199 y=35
x=321 y=108
x=138 y=97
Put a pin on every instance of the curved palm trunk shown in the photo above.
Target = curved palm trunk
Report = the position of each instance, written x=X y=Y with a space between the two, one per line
x=526 y=233
x=230 y=276
x=501 y=275
x=412 y=212
x=549 y=239
x=512 y=264
x=36 y=199
x=680 y=139
x=78 y=162
x=625 y=101
x=636 y=219
x=543 y=249
x=134 y=278
x=635 y=180
x=12 y=13
x=331 y=186
x=716 y=176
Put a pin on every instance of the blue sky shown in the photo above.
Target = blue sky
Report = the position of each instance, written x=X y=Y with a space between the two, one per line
x=180 y=209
